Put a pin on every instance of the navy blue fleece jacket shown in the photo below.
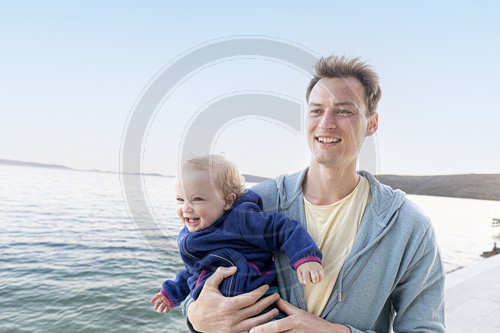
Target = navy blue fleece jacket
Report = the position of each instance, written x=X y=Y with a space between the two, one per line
x=243 y=237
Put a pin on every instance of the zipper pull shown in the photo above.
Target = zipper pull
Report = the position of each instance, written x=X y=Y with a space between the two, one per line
x=339 y=297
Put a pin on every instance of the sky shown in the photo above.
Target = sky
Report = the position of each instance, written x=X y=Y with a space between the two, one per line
x=72 y=73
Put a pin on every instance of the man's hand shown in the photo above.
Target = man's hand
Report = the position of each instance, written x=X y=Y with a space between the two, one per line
x=212 y=312
x=310 y=272
x=299 y=321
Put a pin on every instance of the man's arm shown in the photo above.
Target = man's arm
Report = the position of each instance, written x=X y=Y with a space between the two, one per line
x=419 y=296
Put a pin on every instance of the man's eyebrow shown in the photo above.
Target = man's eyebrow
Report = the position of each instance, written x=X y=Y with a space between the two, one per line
x=336 y=104
x=345 y=103
x=315 y=104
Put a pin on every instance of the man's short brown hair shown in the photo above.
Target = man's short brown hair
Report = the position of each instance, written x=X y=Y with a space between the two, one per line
x=335 y=66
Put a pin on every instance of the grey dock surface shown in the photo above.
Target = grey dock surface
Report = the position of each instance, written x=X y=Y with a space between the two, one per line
x=473 y=298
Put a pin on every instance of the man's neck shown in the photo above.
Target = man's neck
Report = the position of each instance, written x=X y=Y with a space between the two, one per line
x=325 y=185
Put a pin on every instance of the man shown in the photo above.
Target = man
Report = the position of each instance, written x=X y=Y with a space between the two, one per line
x=382 y=265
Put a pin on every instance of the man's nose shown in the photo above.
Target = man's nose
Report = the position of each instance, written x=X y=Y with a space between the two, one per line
x=328 y=120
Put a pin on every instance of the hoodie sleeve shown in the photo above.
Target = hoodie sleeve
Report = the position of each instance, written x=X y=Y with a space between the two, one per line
x=177 y=290
x=275 y=232
x=418 y=298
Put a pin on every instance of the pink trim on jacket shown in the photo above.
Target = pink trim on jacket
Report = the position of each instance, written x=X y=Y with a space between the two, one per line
x=164 y=293
x=203 y=272
x=306 y=259
x=251 y=264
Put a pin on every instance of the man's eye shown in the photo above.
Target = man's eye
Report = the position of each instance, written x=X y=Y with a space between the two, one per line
x=344 y=112
x=315 y=111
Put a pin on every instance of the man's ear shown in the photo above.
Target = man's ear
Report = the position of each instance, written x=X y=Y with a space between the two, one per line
x=372 y=124
x=229 y=201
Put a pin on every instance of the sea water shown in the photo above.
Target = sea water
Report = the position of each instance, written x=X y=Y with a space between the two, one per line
x=73 y=260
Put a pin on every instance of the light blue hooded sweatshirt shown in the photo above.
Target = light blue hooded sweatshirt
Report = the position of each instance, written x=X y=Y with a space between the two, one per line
x=392 y=278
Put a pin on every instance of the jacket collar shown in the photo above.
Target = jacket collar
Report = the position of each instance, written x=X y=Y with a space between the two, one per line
x=385 y=201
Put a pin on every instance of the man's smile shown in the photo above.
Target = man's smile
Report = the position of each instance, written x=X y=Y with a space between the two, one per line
x=328 y=139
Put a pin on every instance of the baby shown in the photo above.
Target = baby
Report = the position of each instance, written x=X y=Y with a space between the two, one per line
x=225 y=226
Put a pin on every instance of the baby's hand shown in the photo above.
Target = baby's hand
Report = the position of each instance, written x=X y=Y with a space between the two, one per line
x=310 y=272
x=161 y=303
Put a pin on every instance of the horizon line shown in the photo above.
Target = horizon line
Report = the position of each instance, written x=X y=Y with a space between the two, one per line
x=58 y=166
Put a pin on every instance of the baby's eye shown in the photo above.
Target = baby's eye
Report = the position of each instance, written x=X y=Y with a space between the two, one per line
x=197 y=199
x=179 y=200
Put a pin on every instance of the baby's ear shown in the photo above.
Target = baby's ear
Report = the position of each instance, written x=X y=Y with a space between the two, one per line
x=230 y=199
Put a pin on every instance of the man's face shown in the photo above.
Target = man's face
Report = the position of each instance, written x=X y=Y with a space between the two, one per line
x=337 y=122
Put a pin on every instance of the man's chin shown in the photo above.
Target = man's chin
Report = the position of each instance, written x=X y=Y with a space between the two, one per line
x=326 y=160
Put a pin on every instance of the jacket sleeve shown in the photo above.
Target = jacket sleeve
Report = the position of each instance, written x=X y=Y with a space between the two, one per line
x=277 y=232
x=176 y=291
x=418 y=298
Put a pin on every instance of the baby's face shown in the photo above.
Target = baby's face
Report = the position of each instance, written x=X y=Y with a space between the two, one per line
x=199 y=204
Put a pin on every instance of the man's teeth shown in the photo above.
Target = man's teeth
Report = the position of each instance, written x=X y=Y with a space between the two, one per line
x=328 y=140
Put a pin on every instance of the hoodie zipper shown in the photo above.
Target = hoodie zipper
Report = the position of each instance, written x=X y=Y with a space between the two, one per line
x=232 y=276
x=355 y=277
x=342 y=292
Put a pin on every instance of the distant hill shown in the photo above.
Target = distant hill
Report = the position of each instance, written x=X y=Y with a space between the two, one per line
x=56 y=166
x=248 y=178
x=254 y=179
x=472 y=186
x=33 y=164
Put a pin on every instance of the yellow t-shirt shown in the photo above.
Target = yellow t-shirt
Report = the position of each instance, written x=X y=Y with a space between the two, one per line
x=334 y=227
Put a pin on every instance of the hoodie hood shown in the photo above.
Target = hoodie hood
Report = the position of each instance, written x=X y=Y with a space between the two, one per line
x=385 y=200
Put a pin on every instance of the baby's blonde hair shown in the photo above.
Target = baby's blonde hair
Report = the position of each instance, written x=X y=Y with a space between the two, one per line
x=224 y=174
